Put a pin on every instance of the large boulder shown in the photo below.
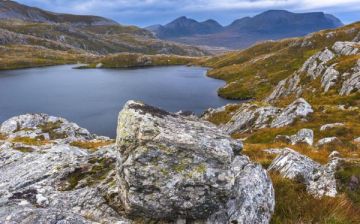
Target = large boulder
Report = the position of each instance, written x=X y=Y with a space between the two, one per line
x=174 y=167
x=319 y=179
x=302 y=136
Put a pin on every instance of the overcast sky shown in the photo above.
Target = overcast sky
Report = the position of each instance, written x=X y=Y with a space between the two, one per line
x=149 y=12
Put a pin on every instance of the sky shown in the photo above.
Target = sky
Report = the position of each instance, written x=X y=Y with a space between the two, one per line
x=148 y=12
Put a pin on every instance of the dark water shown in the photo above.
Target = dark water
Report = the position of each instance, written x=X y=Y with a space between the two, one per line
x=93 y=98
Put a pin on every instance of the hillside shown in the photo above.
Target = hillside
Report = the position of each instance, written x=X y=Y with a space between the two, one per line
x=269 y=25
x=66 y=36
x=303 y=121
x=12 y=10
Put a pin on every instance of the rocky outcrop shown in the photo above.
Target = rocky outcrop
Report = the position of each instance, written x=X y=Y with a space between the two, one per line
x=319 y=65
x=45 y=127
x=303 y=136
x=330 y=126
x=319 y=179
x=252 y=117
x=164 y=167
x=175 y=167
x=300 y=108
x=351 y=85
x=328 y=140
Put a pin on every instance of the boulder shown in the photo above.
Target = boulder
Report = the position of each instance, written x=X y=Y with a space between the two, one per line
x=329 y=78
x=328 y=140
x=302 y=136
x=298 y=109
x=316 y=64
x=346 y=48
x=181 y=168
x=319 y=179
x=330 y=126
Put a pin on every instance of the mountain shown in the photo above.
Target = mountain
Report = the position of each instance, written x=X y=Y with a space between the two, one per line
x=184 y=26
x=269 y=25
x=13 y=10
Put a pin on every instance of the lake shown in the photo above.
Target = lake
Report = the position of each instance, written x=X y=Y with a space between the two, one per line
x=93 y=98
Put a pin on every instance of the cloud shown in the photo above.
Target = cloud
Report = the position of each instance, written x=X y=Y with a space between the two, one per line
x=151 y=11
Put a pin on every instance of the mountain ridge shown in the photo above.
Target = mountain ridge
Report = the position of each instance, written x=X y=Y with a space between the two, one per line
x=243 y=32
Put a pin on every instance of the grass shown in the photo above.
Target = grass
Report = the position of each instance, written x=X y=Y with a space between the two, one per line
x=348 y=177
x=30 y=141
x=24 y=149
x=50 y=128
x=3 y=136
x=91 y=145
x=295 y=205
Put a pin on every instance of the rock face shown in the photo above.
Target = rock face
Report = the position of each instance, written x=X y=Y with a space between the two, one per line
x=319 y=179
x=170 y=168
x=174 y=167
x=251 y=117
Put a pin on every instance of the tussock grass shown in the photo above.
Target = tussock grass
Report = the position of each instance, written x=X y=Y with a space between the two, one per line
x=91 y=145
x=30 y=141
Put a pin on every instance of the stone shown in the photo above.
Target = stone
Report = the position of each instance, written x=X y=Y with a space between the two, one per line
x=330 y=126
x=44 y=126
x=334 y=154
x=351 y=85
x=251 y=117
x=357 y=140
x=316 y=64
x=302 y=136
x=319 y=179
x=328 y=140
x=346 y=48
x=286 y=87
x=329 y=78
x=298 y=109
x=176 y=167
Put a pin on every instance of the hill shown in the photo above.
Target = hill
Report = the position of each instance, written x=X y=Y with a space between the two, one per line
x=269 y=25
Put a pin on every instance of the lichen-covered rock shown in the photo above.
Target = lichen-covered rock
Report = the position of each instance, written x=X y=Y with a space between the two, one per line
x=44 y=126
x=351 y=85
x=181 y=168
x=328 y=140
x=250 y=117
x=298 y=109
x=329 y=78
x=316 y=64
x=330 y=126
x=346 y=48
x=319 y=179
x=302 y=136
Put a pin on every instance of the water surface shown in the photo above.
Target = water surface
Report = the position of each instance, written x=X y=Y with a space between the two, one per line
x=93 y=98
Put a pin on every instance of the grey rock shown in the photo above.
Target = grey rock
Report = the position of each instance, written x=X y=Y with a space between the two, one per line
x=319 y=179
x=330 y=126
x=298 y=109
x=329 y=78
x=45 y=126
x=357 y=140
x=250 y=117
x=328 y=140
x=346 y=48
x=316 y=64
x=286 y=87
x=175 y=167
x=351 y=85
x=302 y=136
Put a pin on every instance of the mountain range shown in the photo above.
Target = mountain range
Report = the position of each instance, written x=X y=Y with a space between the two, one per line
x=269 y=25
